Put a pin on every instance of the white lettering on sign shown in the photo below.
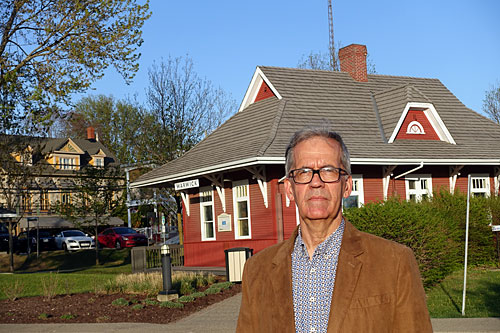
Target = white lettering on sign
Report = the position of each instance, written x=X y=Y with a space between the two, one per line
x=187 y=184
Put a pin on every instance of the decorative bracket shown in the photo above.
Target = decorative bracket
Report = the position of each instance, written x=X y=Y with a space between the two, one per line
x=454 y=173
x=259 y=173
x=218 y=181
x=497 y=180
x=185 y=200
x=386 y=173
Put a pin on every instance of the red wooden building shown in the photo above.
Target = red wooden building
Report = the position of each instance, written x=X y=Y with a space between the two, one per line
x=406 y=136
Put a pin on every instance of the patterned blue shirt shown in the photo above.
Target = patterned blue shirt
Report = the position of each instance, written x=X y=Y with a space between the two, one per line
x=313 y=281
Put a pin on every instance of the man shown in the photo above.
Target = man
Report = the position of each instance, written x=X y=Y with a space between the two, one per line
x=329 y=277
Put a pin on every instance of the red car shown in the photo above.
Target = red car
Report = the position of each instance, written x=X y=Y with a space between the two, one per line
x=119 y=237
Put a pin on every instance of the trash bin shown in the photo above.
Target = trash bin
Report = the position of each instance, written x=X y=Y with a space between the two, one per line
x=235 y=261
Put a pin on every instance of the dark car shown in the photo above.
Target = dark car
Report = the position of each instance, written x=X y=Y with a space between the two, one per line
x=47 y=241
x=4 y=238
x=119 y=237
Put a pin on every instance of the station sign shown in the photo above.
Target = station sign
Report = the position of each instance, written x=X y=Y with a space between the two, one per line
x=187 y=184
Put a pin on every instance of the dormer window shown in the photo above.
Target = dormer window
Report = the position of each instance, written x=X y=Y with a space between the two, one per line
x=68 y=163
x=98 y=162
x=415 y=128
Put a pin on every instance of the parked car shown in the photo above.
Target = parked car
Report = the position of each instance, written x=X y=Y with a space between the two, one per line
x=47 y=241
x=4 y=238
x=119 y=237
x=72 y=240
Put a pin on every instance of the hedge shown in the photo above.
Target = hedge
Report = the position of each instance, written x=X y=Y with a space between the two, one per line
x=434 y=229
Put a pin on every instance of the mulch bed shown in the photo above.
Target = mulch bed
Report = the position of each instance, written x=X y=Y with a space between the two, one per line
x=97 y=308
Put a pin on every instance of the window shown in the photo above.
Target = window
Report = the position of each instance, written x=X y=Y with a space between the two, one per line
x=67 y=163
x=415 y=128
x=44 y=200
x=357 y=197
x=207 y=214
x=418 y=187
x=241 y=202
x=26 y=202
x=98 y=162
x=65 y=198
x=480 y=185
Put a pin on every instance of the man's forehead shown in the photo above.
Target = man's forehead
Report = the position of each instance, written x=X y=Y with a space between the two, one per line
x=318 y=148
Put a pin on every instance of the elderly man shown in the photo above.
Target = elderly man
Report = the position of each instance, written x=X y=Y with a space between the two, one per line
x=329 y=277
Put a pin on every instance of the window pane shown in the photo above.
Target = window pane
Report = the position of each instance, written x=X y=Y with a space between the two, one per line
x=242 y=209
x=209 y=230
x=208 y=215
x=351 y=201
x=423 y=184
x=355 y=185
x=243 y=227
x=411 y=184
x=413 y=197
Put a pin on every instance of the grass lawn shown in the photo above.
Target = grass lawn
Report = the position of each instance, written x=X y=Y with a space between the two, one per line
x=84 y=275
x=482 y=296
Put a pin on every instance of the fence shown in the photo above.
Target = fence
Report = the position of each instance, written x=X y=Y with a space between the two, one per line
x=148 y=257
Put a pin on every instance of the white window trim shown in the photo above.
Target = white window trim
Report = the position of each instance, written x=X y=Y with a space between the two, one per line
x=235 y=209
x=486 y=177
x=418 y=177
x=202 y=215
x=360 y=192
x=418 y=125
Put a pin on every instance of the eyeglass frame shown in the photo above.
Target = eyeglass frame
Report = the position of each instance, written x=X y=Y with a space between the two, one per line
x=341 y=171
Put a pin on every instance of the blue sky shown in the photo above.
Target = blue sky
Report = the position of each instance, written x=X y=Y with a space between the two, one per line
x=457 y=42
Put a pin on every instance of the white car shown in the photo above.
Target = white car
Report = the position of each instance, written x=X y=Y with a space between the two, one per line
x=72 y=240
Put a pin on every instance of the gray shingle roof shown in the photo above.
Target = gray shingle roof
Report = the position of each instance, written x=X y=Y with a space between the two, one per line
x=263 y=129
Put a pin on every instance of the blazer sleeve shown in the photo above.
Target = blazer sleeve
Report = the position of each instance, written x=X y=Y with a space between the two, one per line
x=411 y=314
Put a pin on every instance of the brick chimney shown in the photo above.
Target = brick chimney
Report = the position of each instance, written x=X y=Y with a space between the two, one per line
x=353 y=61
x=90 y=133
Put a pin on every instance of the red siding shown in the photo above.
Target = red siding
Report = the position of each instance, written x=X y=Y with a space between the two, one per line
x=419 y=116
x=264 y=92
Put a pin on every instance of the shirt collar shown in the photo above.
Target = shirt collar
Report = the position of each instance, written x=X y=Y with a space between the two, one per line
x=326 y=247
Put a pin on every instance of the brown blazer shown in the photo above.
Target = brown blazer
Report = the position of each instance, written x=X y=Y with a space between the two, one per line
x=377 y=288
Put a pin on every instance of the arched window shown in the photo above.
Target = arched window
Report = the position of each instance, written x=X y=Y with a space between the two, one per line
x=415 y=128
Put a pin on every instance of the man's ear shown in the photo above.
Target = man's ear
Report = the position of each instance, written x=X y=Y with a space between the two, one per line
x=347 y=187
x=289 y=190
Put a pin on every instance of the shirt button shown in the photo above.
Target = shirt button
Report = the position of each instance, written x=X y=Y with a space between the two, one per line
x=313 y=329
x=312 y=299
x=313 y=270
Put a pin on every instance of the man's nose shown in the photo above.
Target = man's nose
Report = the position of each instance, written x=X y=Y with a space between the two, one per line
x=316 y=181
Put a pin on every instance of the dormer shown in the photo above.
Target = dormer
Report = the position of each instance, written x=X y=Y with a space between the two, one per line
x=98 y=159
x=260 y=88
x=67 y=156
x=24 y=157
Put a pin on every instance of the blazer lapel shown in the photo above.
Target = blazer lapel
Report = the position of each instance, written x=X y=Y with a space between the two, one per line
x=281 y=281
x=348 y=269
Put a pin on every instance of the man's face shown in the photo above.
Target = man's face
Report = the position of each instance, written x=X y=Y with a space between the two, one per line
x=318 y=201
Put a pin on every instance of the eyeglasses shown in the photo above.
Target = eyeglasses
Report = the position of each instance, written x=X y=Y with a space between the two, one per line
x=326 y=175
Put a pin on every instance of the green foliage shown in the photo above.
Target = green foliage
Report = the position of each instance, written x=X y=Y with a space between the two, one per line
x=137 y=306
x=434 y=229
x=50 y=50
x=150 y=301
x=197 y=294
x=68 y=316
x=186 y=299
x=120 y=302
x=186 y=287
x=213 y=290
x=44 y=316
x=171 y=305
x=223 y=285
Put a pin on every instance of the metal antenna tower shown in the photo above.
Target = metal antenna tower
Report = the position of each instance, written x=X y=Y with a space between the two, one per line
x=333 y=56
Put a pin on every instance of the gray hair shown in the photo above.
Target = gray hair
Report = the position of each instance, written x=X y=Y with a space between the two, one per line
x=311 y=132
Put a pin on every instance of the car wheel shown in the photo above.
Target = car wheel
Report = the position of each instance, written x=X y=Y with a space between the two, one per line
x=65 y=247
x=118 y=245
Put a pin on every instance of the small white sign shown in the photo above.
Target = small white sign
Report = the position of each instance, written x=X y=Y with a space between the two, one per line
x=187 y=184
x=495 y=228
x=224 y=222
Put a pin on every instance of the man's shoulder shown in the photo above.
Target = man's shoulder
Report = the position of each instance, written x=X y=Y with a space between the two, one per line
x=266 y=256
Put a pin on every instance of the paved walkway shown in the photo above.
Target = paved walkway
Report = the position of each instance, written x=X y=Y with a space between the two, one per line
x=221 y=318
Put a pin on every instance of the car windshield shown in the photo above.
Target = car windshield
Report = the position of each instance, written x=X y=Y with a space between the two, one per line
x=74 y=233
x=122 y=231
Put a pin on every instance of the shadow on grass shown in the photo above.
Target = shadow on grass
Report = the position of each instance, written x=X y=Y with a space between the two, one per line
x=487 y=293
x=455 y=305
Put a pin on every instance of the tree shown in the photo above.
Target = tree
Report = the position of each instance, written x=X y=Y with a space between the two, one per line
x=51 y=49
x=95 y=197
x=183 y=108
x=321 y=61
x=491 y=103
x=118 y=123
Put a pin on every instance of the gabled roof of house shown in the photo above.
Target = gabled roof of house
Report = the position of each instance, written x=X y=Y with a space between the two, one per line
x=364 y=113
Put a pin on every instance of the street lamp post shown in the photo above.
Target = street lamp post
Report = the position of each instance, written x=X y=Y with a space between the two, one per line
x=167 y=294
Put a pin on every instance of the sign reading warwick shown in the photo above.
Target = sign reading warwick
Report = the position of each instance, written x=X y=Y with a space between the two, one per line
x=187 y=184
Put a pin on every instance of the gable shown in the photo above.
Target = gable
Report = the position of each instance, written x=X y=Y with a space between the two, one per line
x=71 y=147
x=420 y=121
x=260 y=88
x=264 y=92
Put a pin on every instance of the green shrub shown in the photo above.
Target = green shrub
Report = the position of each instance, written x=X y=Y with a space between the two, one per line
x=137 y=306
x=223 y=285
x=434 y=229
x=198 y=294
x=67 y=316
x=186 y=287
x=186 y=299
x=212 y=290
x=150 y=301
x=44 y=316
x=171 y=305
x=120 y=302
